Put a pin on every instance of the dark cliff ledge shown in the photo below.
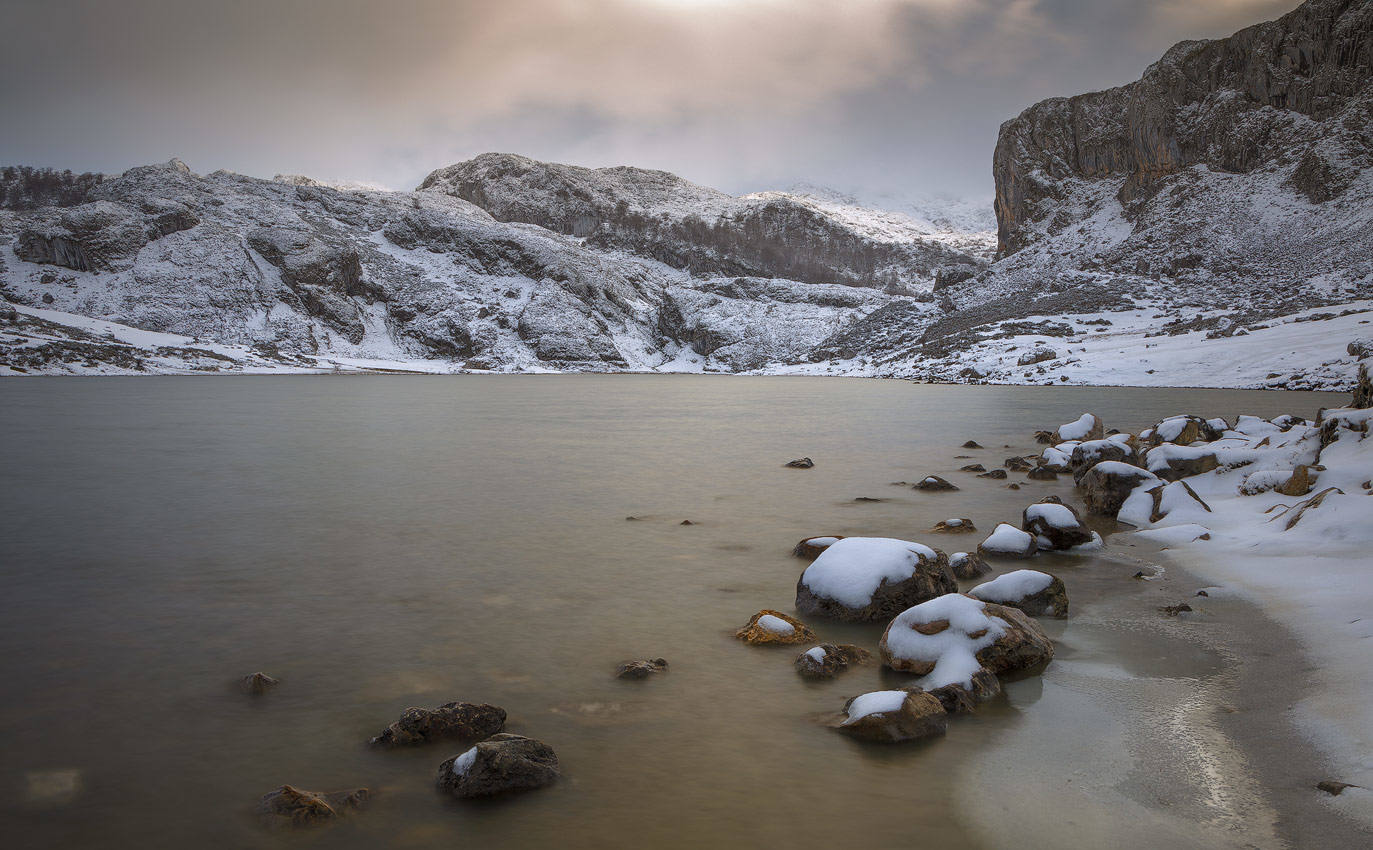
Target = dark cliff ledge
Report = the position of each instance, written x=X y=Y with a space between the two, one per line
x=1203 y=103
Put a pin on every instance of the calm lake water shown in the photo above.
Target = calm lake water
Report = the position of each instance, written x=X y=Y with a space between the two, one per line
x=384 y=542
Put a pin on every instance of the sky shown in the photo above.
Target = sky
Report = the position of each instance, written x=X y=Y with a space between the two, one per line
x=902 y=97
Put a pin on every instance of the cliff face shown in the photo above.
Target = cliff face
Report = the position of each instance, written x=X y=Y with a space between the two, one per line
x=1226 y=104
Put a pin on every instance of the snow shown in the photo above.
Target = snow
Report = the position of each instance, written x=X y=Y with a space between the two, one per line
x=1056 y=516
x=1078 y=429
x=817 y=653
x=851 y=570
x=875 y=702
x=464 y=762
x=1013 y=586
x=775 y=624
x=1007 y=538
x=952 y=651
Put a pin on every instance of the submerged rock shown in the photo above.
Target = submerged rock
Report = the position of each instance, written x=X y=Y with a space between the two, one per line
x=258 y=683
x=767 y=627
x=1042 y=473
x=289 y=806
x=641 y=669
x=892 y=717
x=998 y=474
x=454 y=720
x=971 y=444
x=828 y=660
x=968 y=565
x=973 y=467
x=954 y=526
x=868 y=579
x=1037 y=594
x=800 y=463
x=1019 y=464
x=501 y=764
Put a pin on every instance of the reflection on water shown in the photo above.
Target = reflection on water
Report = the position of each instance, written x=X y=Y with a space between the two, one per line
x=378 y=543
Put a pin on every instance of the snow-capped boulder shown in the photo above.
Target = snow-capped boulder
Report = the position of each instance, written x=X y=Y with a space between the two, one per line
x=1039 y=354
x=452 y=721
x=892 y=716
x=289 y=806
x=1055 y=526
x=933 y=483
x=1170 y=461
x=968 y=565
x=774 y=627
x=949 y=639
x=829 y=660
x=1037 y=594
x=1057 y=458
x=503 y=763
x=1107 y=485
x=1182 y=430
x=866 y=579
x=1089 y=454
x=811 y=547
x=954 y=526
x=1009 y=541
x=1087 y=427
x=1176 y=502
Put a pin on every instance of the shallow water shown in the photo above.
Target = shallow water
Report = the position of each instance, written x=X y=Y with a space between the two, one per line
x=382 y=542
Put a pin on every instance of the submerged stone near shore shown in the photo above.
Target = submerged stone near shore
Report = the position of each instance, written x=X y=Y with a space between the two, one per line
x=774 y=627
x=800 y=463
x=933 y=483
x=289 y=806
x=971 y=444
x=1037 y=594
x=892 y=717
x=501 y=764
x=828 y=660
x=641 y=669
x=961 y=525
x=996 y=474
x=258 y=684
x=868 y=579
x=454 y=720
x=950 y=638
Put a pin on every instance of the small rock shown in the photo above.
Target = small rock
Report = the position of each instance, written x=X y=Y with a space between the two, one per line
x=1018 y=464
x=686 y=522
x=641 y=669
x=454 y=720
x=800 y=463
x=811 y=547
x=892 y=716
x=631 y=519
x=1332 y=787
x=1042 y=473
x=954 y=526
x=868 y=499
x=973 y=467
x=1009 y=541
x=1012 y=486
x=294 y=807
x=829 y=660
x=934 y=483
x=998 y=474
x=968 y=565
x=257 y=683
x=47 y=298
x=971 y=444
x=1174 y=610
x=957 y=699
x=501 y=764
x=769 y=627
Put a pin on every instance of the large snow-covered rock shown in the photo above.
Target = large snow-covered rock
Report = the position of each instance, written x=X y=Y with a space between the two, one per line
x=867 y=579
x=1008 y=541
x=1037 y=594
x=949 y=639
x=1055 y=526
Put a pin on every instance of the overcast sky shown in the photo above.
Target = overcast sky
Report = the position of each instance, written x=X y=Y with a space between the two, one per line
x=901 y=95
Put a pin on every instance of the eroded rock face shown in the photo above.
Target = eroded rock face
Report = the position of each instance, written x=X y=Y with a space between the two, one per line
x=907 y=716
x=503 y=763
x=289 y=806
x=774 y=627
x=452 y=721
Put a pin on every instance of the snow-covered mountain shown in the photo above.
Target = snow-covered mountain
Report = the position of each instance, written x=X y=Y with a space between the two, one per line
x=1210 y=224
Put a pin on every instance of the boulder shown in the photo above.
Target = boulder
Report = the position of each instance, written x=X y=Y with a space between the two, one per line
x=1036 y=355
x=960 y=699
x=933 y=483
x=828 y=660
x=1107 y=485
x=257 y=684
x=501 y=764
x=1089 y=454
x=1087 y=427
x=950 y=638
x=774 y=627
x=1181 y=430
x=641 y=669
x=1042 y=473
x=1363 y=391
x=892 y=716
x=1171 y=462
x=1009 y=541
x=1300 y=483
x=1037 y=594
x=289 y=806
x=1055 y=525
x=800 y=463
x=954 y=526
x=1019 y=464
x=811 y=547
x=451 y=721
x=968 y=565
x=869 y=579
